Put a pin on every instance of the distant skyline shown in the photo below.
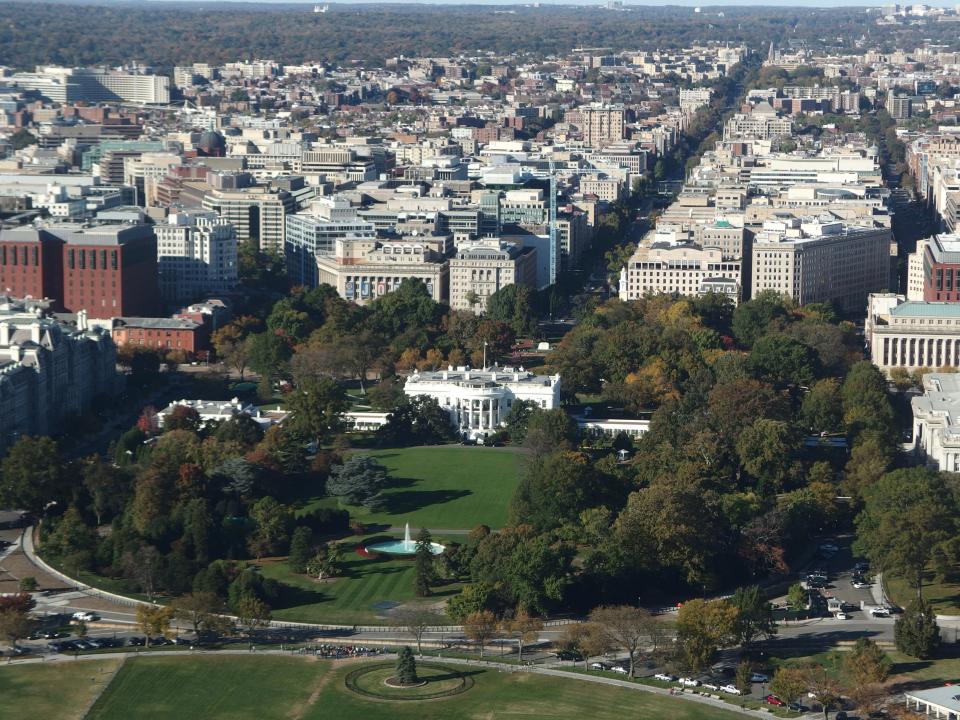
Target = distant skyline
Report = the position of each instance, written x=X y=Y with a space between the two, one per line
x=597 y=3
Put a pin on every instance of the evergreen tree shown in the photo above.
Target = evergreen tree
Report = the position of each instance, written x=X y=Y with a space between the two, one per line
x=406 y=667
x=300 y=549
x=916 y=633
x=425 y=575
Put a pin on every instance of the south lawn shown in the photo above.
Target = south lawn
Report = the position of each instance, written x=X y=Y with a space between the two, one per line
x=61 y=691
x=295 y=688
x=443 y=487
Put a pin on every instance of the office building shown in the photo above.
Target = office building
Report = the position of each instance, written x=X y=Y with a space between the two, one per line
x=819 y=262
x=482 y=267
x=258 y=214
x=196 y=255
x=602 y=124
x=684 y=269
x=313 y=233
x=49 y=371
x=67 y=85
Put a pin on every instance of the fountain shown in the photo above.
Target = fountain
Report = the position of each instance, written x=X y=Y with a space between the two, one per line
x=404 y=547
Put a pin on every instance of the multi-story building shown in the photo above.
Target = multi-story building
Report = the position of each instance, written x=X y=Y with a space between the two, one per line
x=258 y=213
x=913 y=335
x=573 y=236
x=364 y=269
x=815 y=262
x=607 y=189
x=313 y=233
x=107 y=270
x=523 y=207
x=941 y=268
x=49 y=370
x=936 y=421
x=915 y=273
x=196 y=255
x=762 y=123
x=478 y=401
x=900 y=107
x=67 y=85
x=482 y=267
x=164 y=334
x=681 y=269
x=602 y=124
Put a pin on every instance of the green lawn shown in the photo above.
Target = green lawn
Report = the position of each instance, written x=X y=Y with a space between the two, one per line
x=348 y=599
x=26 y=690
x=945 y=597
x=446 y=487
x=301 y=689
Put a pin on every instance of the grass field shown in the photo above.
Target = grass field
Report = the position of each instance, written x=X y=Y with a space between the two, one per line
x=447 y=487
x=26 y=690
x=945 y=597
x=347 y=599
x=301 y=689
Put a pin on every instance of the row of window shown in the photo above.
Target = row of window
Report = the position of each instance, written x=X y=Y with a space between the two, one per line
x=81 y=258
x=26 y=256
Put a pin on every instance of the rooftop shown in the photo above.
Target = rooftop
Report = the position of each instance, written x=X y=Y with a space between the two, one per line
x=927 y=310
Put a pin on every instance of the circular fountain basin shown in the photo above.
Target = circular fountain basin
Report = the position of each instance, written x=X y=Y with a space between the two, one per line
x=401 y=547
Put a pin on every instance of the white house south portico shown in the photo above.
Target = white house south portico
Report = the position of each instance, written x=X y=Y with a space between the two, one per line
x=478 y=401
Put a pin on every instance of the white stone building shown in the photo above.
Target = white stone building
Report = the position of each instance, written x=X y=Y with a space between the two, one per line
x=479 y=401
x=483 y=267
x=196 y=255
x=685 y=269
x=913 y=335
x=936 y=421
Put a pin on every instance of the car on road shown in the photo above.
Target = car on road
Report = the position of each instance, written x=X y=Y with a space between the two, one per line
x=689 y=682
x=841 y=615
x=759 y=677
x=830 y=547
x=620 y=669
x=797 y=707
x=774 y=700
x=85 y=616
x=710 y=686
x=569 y=655
x=665 y=677
x=880 y=612
x=599 y=666
x=859 y=584
x=730 y=689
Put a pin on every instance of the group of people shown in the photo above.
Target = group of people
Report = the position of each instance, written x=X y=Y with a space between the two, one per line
x=336 y=652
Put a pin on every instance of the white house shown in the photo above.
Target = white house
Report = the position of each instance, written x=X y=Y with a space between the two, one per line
x=478 y=401
x=211 y=411
x=936 y=421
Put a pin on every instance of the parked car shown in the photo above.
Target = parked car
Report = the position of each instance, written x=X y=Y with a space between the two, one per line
x=689 y=682
x=880 y=612
x=797 y=707
x=774 y=700
x=710 y=686
x=599 y=666
x=829 y=547
x=730 y=689
x=622 y=670
x=759 y=677
x=664 y=677
x=841 y=615
x=85 y=616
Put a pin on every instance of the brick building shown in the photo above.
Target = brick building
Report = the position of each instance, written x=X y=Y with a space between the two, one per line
x=164 y=334
x=31 y=264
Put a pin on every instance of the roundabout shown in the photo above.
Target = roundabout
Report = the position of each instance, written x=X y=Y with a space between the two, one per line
x=377 y=682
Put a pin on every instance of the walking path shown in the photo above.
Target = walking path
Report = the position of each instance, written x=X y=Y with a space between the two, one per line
x=502 y=667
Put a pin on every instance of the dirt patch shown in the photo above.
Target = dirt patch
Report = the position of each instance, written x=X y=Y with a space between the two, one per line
x=300 y=709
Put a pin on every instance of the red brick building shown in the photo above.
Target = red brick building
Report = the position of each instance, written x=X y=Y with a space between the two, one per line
x=107 y=270
x=163 y=334
x=941 y=269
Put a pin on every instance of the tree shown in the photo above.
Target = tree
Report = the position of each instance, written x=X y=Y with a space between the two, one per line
x=14 y=625
x=824 y=687
x=418 y=420
x=253 y=613
x=273 y=521
x=577 y=638
x=233 y=345
x=866 y=663
x=357 y=481
x=22 y=138
x=822 y=409
x=480 y=627
x=754 y=616
x=742 y=677
x=325 y=561
x=416 y=619
x=625 y=628
x=424 y=573
x=317 y=408
x=767 y=449
x=513 y=306
x=301 y=549
x=797 y=597
x=201 y=610
x=154 y=620
x=916 y=632
x=906 y=515
x=107 y=485
x=550 y=430
x=31 y=476
x=751 y=319
x=788 y=683
x=702 y=628
x=556 y=490
x=524 y=628
x=406 y=673
x=182 y=417
x=782 y=359
x=268 y=354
